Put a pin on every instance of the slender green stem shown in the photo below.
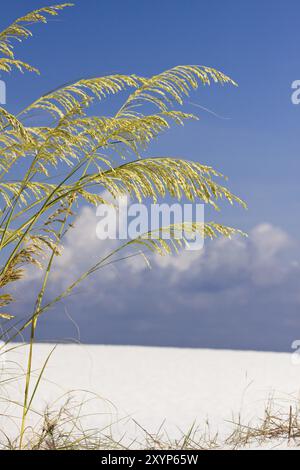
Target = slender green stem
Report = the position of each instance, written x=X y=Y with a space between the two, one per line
x=26 y=405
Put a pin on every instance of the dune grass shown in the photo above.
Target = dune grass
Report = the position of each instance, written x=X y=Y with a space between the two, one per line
x=47 y=172
x=64 y=429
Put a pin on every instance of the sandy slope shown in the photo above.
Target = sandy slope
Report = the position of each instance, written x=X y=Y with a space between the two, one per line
x=156 y=384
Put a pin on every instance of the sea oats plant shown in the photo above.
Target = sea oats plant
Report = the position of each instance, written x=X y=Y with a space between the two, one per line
x=76 y=156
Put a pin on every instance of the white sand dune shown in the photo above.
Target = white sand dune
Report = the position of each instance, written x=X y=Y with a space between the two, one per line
x=152 y=385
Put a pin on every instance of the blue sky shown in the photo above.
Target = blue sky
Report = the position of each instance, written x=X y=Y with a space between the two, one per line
x=254 y=42
x=254 y=139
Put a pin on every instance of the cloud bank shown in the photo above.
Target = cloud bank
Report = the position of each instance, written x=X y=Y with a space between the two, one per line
x=239 y=293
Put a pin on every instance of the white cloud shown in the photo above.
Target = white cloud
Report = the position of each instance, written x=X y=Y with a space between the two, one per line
x=243 y=276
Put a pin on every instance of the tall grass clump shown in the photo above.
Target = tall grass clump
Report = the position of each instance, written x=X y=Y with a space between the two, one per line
x=47 y=171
